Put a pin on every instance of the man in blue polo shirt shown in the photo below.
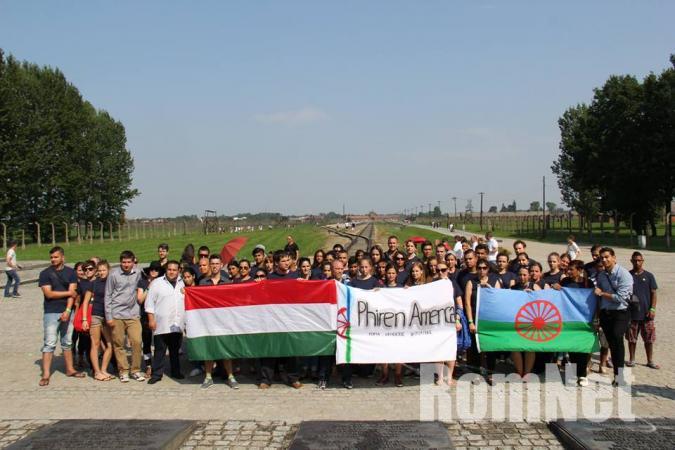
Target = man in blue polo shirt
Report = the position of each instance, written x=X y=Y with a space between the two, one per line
x=614 y=287
x=59 y=286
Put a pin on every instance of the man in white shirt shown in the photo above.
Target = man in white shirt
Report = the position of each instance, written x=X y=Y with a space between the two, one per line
x=166 y=318
x=493 y=247
x=10 y=270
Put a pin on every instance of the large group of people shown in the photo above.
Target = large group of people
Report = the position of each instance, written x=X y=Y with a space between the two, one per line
x=102 y=311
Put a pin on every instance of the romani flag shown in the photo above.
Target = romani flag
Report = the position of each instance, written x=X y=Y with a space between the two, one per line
x=547 y=320
x=257 y=320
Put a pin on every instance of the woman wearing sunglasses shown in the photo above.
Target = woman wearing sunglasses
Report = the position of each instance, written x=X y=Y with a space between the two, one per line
x=402 y=272
x=244 y=272
x=486 y=280
x=98 y=327
x=524 y=361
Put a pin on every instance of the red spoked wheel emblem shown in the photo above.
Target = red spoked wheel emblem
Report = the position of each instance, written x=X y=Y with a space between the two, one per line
x=342 y=323
x=539 y=321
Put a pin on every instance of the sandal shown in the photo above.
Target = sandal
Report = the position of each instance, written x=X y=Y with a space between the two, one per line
x=653 y=365
x=44 y=382
x=629 y=363
x=102 y=377
x=76 y=375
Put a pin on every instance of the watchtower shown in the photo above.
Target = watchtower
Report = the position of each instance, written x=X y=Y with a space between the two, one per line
x=210 y=221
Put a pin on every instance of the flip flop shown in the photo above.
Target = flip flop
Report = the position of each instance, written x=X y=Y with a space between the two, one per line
x=76 y=375
x=44 y=382
x=653 y=365
x=105 y=378
x=630 y=364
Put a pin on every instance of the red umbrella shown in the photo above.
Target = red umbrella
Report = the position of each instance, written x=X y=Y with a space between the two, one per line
x=418 y=239
x=231 y=248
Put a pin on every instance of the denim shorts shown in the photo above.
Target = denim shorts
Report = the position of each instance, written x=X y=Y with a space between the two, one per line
x=54 y=329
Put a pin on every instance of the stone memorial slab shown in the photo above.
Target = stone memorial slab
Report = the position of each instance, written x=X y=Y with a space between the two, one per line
x=616 y=434
x=109 y=434
x=370 y=435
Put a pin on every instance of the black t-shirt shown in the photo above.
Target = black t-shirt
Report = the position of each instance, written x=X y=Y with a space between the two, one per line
x=207 y=281
x=291 y=275
x=410 y=262
x=368 y=284
x=402 y=277
x=520 y=287
x=464 y=276
x=551 y=279
x=60 y=281
x=643 y=284
x=505 y=279
x=292 y=248
x=97 y=289
x=570 y=283
x=591 y=269
x=398 y=285
x=82 y=287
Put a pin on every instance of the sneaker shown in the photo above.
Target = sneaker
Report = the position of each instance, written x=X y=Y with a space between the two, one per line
x=16 y=295
x=583 y=381
x=322 y=385
x=138 y=376
x=347 y=385
x=208 y=382
x=124 y=378
x=232 y=382
x=195 y=372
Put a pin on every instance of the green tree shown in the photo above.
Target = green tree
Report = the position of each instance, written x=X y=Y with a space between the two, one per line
x=535 y=206
x=62 y=159
x=551 y=206
x=617 y=154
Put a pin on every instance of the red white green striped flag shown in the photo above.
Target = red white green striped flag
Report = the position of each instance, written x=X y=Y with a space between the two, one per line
x=257 y=320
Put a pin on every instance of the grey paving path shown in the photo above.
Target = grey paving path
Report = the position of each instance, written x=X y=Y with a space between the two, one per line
x=238 y=434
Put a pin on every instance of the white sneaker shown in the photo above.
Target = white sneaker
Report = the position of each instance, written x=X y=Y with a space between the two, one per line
x=124 y=378
x=582 y=381
x=138 y=376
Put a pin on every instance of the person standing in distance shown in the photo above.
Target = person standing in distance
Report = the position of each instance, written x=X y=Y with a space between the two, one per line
x=11 y=271
x=292 y=248
x=59 y=287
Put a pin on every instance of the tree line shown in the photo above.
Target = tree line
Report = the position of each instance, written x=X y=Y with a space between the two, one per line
x=617 y=154
x=62 y=160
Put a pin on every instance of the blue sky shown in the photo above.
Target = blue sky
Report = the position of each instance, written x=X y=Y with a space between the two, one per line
x=299 y=107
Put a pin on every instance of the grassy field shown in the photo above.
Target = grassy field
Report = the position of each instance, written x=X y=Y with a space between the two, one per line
x=383 y=230
x=623 y=239
x=559 y=235
x=308 y=238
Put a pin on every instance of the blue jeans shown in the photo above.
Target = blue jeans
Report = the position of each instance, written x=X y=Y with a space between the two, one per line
x=12 y=276
x=54 y=329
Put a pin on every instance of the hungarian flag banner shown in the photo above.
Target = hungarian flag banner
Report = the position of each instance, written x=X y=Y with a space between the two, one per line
x=539 y=321
x=257 y=320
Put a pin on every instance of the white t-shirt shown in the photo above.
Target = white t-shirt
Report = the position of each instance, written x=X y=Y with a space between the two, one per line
x=572 y=250
x=493 y=249
x=11 y=256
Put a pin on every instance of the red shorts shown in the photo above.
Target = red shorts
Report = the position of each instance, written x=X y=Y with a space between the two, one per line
x=645 y=328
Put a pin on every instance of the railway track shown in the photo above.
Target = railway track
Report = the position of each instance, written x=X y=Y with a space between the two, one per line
x=357 y=241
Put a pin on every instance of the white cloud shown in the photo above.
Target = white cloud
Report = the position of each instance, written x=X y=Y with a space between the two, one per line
x=300 y=116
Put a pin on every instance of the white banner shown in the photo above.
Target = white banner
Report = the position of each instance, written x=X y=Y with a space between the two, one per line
x=397 y=325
